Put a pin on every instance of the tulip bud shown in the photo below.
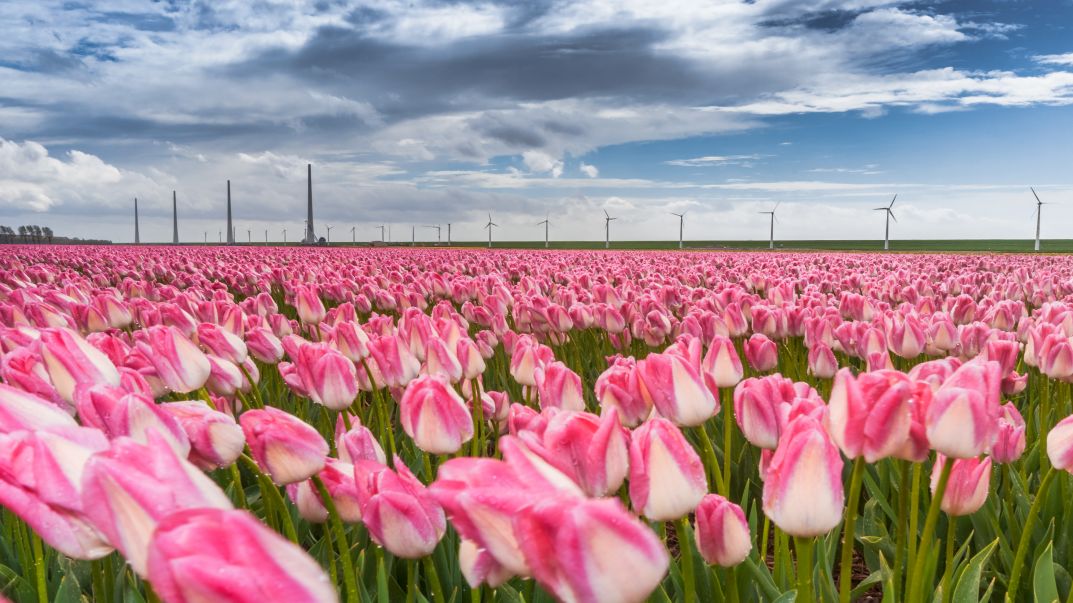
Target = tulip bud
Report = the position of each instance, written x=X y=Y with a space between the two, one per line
x=434 y=415
x=399 y=512
x=308 y=305
x=803 y=484
x=470 y=358
x=221 y=342
x=675 y=388
x=284 y=446
x=20 y=410
x=72 y=362
x=961 y=419
x=967 y=488
x=722 y=533
x=763 y=406
x=1010 y=441
x=868 y=415
x=821 y=361
x=761 y=352
x=178 y=363
x=130 y=487
x=667 y=478
x=559 y=387
x=225 y=555
x=590 y=449
x=117 y=413
x=721 y=366
x=440 y=359
x=591 y=550
x=216 y=440
x=478 y=566
x=358 y=444
x=618 y=387
x=1060 y=445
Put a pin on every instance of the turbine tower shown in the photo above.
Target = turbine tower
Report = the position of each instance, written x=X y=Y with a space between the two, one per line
x=311 y=237
x=439 y=231
x=137 y=236
x=353 y=234
x=1039 y=210
x=546 y=223
x=382 y=227
x=230 y=229
x=607 y=229
x=681 y=226
x=174 y=219
x=771 y=240
x=890 y=216
x=448 y=234
x=489 y=226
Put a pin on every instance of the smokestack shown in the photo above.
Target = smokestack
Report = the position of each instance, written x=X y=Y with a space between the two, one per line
x=174 y=219
x=311 y=237
x=230 y=230
x=137 y=236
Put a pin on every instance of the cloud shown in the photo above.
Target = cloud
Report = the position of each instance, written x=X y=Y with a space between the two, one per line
x=542 y=163
x=589 y=170
x=33 y=180
x=1055 y=59
x=714 y=161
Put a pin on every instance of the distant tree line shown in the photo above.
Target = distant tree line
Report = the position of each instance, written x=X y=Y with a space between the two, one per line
x=36 y=235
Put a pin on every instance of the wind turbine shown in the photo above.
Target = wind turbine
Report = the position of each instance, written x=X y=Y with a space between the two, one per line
x=771 y=241
x=489 y=226
x=448 y=234
x=438 y=231
x=413 y=235
x=137 y=236
x=353 y=234
x=681 y=226
x=890 y=216
x=249 y=234
x=546 y=223
x=607 y=229
x=329 y=227
x=1038 y=212
x=284 y=235
x=382 y=227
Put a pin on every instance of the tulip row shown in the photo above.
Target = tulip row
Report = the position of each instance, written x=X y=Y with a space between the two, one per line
x=322 y=425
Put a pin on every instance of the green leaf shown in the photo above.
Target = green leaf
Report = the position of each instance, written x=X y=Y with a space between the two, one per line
x=967 y=589
x=69 y=591
x=787 y=597
x=1044 y=586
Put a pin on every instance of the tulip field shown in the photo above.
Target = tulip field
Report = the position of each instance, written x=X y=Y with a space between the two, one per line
x=210 y=424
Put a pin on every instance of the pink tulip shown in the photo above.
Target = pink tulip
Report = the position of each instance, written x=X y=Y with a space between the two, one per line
x=285 y=447
x=357 y=444
x=127 y=489
x=905 y=337
x=42 y=466
x=351 y=340
x=821 y=361
x=722 y=532
x=527 y=356
x=223 y=555
x=966 y=491
x=264 y=345
x=667 y=478
x=676 y=389
x=803 y=484
x=321 y=374
x=216 y=440
x=1010 y=441
x=177 y=362
x=763 y=406
x=482 y=496
x=619 y=388
x=25 y=370
x=721 y=366
x=220 y=342
x=762 y=353
x=478 y=566
x=338 y=479
x=392 y=364
x=117 y=414
x=440 y=359
x=470 y=358
x=559 y=387
x=591 y=450
x=1060 y=445
x=961 y=419
x=400 y=513
x=435 y=416
x=20 y=410
x=73 y=363
x=308 y=305
x=591 y=550
x=868 y=415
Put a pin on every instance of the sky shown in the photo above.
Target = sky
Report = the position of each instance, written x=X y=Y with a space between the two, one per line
x=426 y=112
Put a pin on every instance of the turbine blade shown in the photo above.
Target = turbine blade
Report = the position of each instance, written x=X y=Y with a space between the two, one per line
x=889 y=212
x=1035 y=195
x=893 y=200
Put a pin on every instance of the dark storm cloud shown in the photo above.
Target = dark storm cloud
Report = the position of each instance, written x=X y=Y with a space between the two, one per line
x=406 y=80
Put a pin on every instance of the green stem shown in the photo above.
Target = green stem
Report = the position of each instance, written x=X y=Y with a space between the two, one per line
x=899 y=529
x=804 y=568
x=433 y=576
x=732 y=584
x=1026 y=534
x=709 y=457
x=948 y=569
x=269 y=490
x=728 y=439
x=349 y=580
x=916 y=577
x=845 y=575
x=411 y=581
x=39 y=568
x=689 y=585
x=236 y=480
x=914 y=519
x=478 y=421
x=256 y=391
